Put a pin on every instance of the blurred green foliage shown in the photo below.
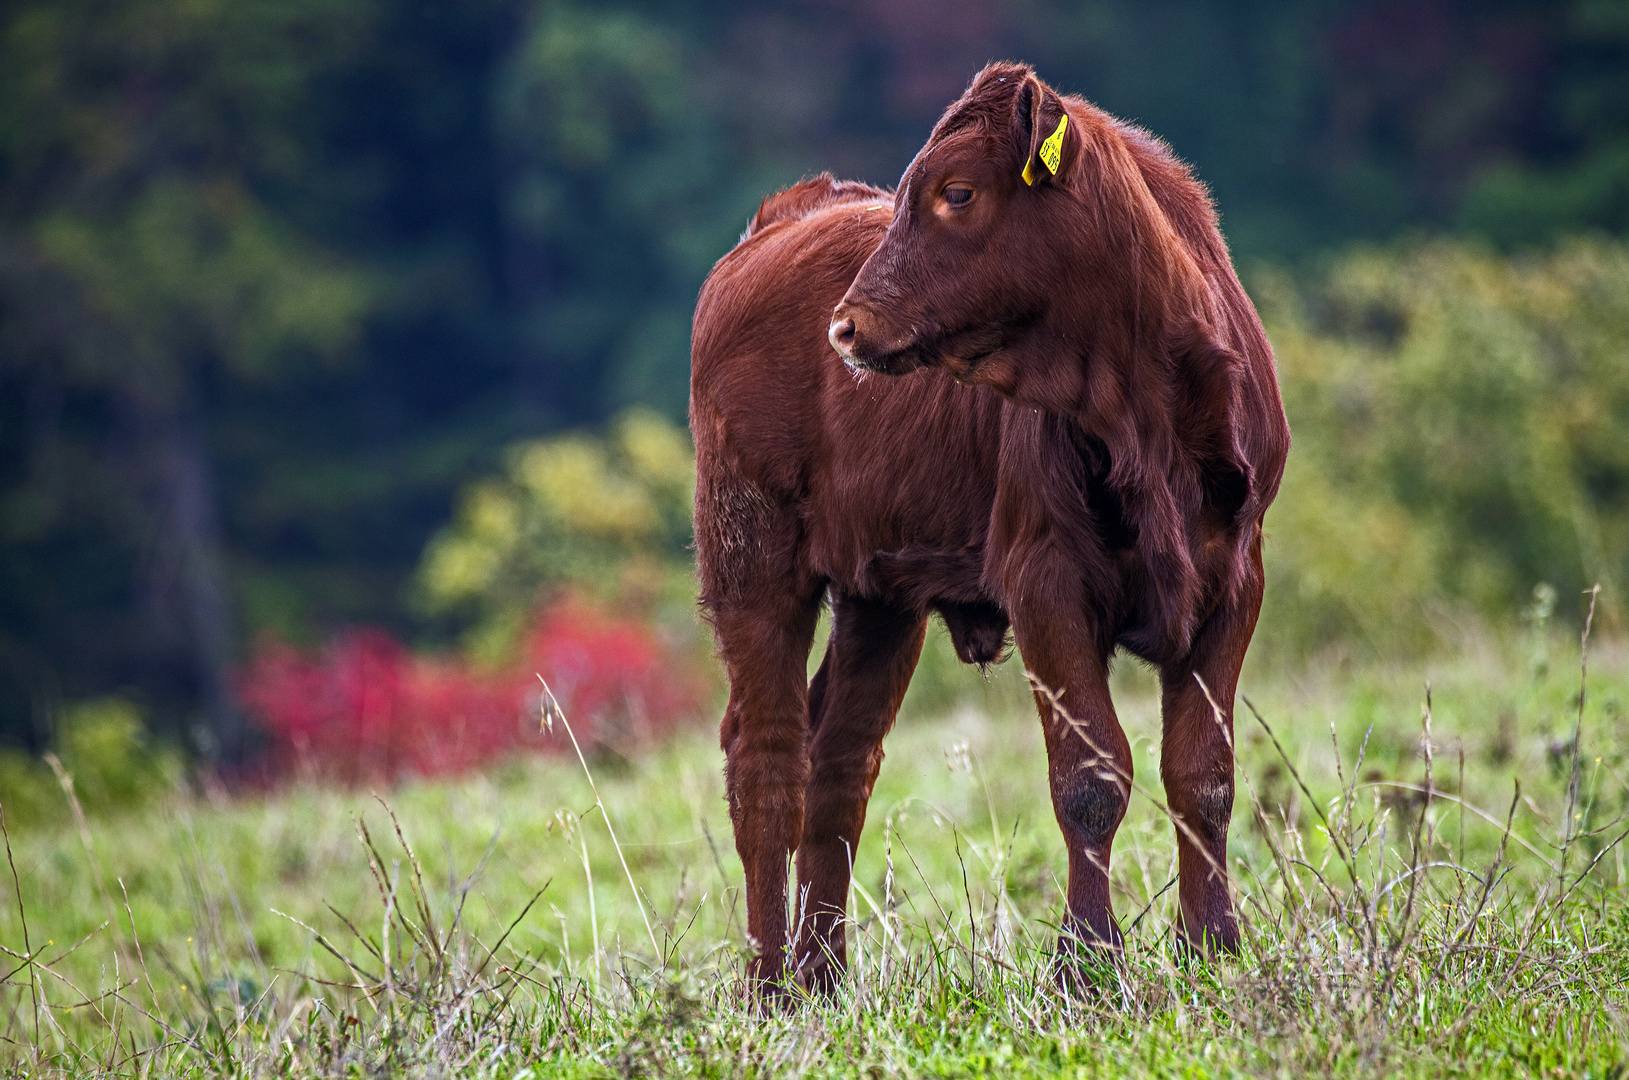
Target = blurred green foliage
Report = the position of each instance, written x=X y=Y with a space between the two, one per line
x=184 y=273
x=141 y=143
x=1461 y=436
x=608 y=515
x=619 y=194
x=106 y=754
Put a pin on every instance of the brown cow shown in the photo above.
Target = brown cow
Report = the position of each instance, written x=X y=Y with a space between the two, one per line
x=1082 y=431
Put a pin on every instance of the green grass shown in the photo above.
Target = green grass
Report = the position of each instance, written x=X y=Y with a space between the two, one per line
x=296 y=933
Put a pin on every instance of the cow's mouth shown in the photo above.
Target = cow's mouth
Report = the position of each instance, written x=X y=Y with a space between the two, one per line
x=959 y=351
x=896 y=362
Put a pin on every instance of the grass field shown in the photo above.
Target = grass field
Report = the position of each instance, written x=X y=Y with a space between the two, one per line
x=323 y=933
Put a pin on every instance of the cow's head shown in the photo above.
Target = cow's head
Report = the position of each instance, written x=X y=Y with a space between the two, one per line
x=1012 y=232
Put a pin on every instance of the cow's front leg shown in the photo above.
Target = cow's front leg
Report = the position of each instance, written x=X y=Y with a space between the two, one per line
x=1088 y=763
x=1196 y=762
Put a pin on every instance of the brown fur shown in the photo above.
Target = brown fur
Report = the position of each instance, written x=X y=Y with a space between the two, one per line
x=1076 y=424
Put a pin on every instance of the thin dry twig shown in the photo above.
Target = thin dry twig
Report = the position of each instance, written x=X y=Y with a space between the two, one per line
x=1055 y=702
x=1570 y=817
x=552 y=710
x=22 y=916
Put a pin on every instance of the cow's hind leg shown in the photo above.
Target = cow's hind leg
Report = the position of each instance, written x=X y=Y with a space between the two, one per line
x=855 y=695
x=765 y=648
x=1196 y=764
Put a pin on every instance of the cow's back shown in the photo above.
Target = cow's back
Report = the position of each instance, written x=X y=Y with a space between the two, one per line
x=799 y=459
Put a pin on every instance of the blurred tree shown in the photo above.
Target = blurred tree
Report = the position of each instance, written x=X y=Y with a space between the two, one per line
x=618 y=193
x=139 y=266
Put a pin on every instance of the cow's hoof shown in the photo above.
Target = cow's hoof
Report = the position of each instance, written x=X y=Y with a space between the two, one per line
x=819 y=975
x=768 y=991
x=1212 y=944
x=1087 y=970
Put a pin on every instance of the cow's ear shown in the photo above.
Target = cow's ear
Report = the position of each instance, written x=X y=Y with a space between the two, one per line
x=1041 y=125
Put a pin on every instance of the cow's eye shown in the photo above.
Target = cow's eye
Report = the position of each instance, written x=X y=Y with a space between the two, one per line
x=958 y=195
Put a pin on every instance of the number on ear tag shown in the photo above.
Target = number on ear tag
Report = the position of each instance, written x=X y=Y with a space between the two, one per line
x=1051 y=152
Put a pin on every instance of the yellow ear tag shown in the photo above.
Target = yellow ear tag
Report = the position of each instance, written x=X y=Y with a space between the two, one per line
x=1051 y=152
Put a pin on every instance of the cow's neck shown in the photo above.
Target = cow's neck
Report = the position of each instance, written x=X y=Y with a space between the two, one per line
x=1154 y=470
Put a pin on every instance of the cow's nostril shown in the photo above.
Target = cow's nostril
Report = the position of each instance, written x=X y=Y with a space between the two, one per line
x=842 y=334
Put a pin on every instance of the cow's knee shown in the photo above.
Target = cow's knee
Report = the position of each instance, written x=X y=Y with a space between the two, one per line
x=1205 y=803
x=1090 y=804
x=1213 y=805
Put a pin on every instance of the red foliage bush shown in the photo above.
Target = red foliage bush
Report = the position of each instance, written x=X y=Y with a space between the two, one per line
x=366 y=710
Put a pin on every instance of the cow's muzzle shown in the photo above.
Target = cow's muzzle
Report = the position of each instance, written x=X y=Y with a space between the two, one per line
x=853 y=335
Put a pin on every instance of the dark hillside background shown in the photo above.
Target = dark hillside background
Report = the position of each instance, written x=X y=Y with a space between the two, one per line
x=277 y=277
